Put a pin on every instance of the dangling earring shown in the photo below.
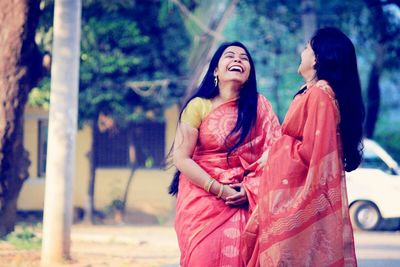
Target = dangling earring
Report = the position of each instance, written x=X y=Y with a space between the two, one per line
x=215 y=81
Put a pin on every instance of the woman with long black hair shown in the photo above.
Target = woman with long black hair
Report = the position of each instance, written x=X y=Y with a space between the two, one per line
x=222 y=133
x=302 y=217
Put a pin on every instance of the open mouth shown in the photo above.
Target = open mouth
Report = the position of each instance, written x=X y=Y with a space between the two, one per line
x=236 y=68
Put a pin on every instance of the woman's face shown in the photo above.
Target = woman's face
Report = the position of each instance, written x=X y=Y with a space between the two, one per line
x=306 y=68
x=234 y=65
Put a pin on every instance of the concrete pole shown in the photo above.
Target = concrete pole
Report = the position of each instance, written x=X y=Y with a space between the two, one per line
x=60 y=168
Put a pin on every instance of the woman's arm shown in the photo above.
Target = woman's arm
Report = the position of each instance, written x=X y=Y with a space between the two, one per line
x=184 y=146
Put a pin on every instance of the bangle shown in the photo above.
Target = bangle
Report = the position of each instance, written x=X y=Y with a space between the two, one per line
x=221 y=191
x=206 y=183
x=207 y=186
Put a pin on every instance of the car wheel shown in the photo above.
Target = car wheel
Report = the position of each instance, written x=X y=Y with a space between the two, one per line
x=365 y=215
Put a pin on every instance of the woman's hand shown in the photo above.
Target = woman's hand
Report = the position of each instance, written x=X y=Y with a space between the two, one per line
x=239 y=197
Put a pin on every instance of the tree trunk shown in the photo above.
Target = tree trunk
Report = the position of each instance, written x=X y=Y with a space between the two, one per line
x=90 y=208
x=20 y=70
x=133 y=166
x=374 y=93
x=60 y=168
x=383 y=37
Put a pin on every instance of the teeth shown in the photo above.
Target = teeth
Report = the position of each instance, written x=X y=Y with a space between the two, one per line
x=236 y=68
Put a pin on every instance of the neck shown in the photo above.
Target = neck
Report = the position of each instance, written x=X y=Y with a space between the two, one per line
x=228 y=91
x=310 y=79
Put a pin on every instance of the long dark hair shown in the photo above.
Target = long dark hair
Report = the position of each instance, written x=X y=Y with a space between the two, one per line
x=337 y=64
x=246 y=103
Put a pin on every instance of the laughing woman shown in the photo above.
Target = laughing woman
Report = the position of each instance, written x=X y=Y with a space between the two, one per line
x=223 y=131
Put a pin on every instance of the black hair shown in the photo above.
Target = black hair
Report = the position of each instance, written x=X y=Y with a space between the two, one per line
x=336 y=63
x=246 y=103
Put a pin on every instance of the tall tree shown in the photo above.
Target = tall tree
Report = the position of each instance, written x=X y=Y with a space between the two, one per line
x=20 y=67
x=60 y=169
x=385 y=33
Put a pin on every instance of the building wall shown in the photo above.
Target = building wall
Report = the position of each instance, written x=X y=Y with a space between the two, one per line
x=32 y=194
x=147 y=191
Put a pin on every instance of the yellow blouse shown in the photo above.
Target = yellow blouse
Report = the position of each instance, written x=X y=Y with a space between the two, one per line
x=195 y=111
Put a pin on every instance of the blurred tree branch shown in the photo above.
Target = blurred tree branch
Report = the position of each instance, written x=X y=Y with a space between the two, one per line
x=205 y=44
x=201 y=25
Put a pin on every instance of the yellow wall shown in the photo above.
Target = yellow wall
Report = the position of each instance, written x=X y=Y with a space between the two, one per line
x=147 y=191
x=171 y=116
x=30 y=142
x=31 y=132
x=32 y=194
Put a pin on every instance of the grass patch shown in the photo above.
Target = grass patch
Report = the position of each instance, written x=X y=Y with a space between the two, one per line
x=24 y=239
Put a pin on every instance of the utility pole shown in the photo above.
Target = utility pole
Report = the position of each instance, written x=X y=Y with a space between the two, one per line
x=60 y=168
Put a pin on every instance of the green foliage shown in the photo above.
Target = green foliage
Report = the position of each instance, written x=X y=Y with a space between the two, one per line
x=117 y=204
x=273 y=32
x=123 y=41
x=390 y=141
x=149 y=162
x=387 y=132
x=24 y=239
x=40 y=96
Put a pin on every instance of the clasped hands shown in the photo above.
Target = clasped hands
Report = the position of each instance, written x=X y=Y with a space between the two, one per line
x=236 y=195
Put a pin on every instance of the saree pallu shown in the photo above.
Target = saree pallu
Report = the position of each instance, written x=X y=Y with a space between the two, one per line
x=302 y=217
x=208 y=230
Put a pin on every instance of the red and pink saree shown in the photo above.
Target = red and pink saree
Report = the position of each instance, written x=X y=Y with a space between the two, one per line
x=302 y=217
x=208 y=230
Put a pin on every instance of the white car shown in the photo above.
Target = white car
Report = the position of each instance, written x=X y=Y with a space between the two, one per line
x=374 y=188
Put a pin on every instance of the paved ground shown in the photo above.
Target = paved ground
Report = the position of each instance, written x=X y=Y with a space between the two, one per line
x=378 y=249
x=107 y=246
x=156 y=246
x=147 y=245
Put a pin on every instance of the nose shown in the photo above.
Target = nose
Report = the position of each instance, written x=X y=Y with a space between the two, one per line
x=237 y=60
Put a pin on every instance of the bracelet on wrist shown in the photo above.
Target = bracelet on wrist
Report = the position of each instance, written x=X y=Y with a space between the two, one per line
x=208 y=184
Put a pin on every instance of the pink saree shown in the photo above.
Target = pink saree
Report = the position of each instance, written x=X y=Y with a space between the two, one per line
x=208 y=230
x=302 y=218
